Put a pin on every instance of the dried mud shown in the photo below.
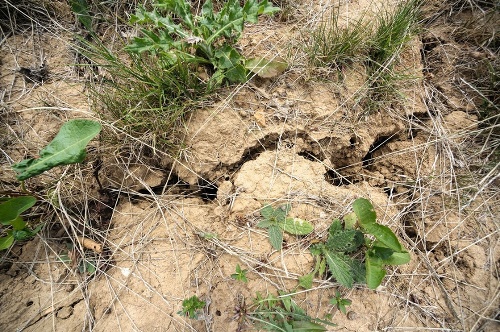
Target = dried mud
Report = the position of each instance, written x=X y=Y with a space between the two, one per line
x=179 y=226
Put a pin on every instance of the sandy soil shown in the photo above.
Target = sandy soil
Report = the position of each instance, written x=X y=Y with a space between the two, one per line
x=290 y=139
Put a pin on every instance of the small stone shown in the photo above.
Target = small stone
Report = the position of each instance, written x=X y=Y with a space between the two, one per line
x=260 y=118
x=69 y=288
x=351 y=315
x=224 y=192
x=64 y=312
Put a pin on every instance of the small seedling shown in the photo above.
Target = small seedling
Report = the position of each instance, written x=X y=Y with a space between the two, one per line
x=191 y=307
x=283 y=314
x=68 y=147
x=340 y=302
x=344 y=241
x=276 y=221
x=240 y=274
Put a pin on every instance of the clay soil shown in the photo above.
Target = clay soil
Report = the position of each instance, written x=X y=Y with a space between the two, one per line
x=174 y=226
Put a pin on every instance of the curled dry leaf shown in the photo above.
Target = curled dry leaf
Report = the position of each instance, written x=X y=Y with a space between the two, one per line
x=266 y=68
x=90 y=244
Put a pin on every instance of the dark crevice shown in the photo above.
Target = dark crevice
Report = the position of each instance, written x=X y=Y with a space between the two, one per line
x=207 y=190
x=352 y=142
x=310 y=156
x=337 y=179
x=379 y=142
x=416 y=122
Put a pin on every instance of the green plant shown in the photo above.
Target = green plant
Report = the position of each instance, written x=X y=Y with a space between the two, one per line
x=206 y=39
x=240 y=274
x=330 y=45
x=67 y=147
x=282 y=314
x=276 y=221
x=340 y=302
x=191 y=307
x=339 y=252
x=394 y=30
x=10 y=215
x=179 y=59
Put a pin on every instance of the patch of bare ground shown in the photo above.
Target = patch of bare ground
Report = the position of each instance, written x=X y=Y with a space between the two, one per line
x=177 y=226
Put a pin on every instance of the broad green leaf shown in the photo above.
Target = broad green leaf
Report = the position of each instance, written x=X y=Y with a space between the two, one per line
x=179 y=7
x=266 y=68
x=358 y=271
x=275 y=237
x=345 y=240
x=398 y=258
x=367 y=220
x=307 y=326
x=267 y=211
x=266 y=8
x=236 y=74
x=18 y=223
x=67 y=147
x=384 y=235
x=81 y=9
x=6 y=241
x=364 y=211
x=90 y=267
x=381 y=252
x=339 y=267
x=265 y=223
x=13 y=207
x=227 y=57
x=334 y=227
x=350 y=221
x=375 y=271
x=306 y=281
x=296 y=226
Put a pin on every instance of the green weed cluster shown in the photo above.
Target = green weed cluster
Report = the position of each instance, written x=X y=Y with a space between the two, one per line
x=178 y=58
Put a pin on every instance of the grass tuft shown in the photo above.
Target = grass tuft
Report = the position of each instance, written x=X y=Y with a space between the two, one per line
x=333 y=45
x=145 y=97
x=393 y=31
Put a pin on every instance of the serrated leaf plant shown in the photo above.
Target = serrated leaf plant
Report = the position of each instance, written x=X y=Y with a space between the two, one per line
x=277 y=222
x=191 y=307
x=67 y=147
x=240 y=274
x=340 y=302
x=346 y=247
x=171 y=32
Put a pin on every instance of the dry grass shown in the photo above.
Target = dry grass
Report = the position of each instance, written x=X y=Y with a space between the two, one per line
x=442 y=198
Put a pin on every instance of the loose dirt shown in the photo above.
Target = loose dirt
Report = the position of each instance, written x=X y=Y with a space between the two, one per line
x=177 y=227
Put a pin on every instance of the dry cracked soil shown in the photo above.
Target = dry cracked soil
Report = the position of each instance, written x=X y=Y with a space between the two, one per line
x=173 y=227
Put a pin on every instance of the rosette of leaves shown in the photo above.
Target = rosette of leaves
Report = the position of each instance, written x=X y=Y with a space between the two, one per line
x=173 y=33
x=335 y=254
x=191 y=307
x=276 y=221
x=346 y=246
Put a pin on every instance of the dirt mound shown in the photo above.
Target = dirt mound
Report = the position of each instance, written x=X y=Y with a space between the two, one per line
x=177 y=226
